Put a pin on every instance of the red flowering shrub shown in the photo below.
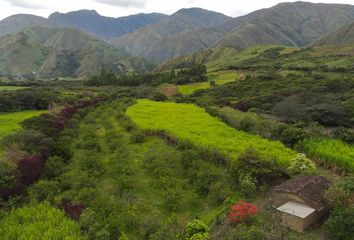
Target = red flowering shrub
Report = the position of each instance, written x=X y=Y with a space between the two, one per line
x=242 y=210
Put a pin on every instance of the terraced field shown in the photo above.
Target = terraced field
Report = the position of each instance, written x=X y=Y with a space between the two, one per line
x=189 y=122
x=220 y=78
x=10 y=122
x=11 y=88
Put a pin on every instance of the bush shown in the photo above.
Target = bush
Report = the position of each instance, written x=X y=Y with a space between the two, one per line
x=257 y=167
x=301 y=165
x=197 y=230
x=137 y=136
x=55 y=166
x=247 y=184
x=341 y=223
x=241 y=210
x=341 y=194
x=245 y=232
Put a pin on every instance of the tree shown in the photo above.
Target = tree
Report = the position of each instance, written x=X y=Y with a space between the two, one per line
x=301 y=164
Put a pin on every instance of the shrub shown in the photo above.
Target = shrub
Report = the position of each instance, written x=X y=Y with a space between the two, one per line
x=259 y=168
x=241 y=210
x=341 y=223
x=55 y=166
x=301 y=164
x=123 y=237
x=137 y=136
x=245 y=232
x=197 y=230
x=247 y=184
x=341 y=194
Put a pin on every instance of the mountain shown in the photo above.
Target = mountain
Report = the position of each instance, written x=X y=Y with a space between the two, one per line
x=55 y=52
x=18 y=22
x=161 y=41
x=337 y=59
x=88 y=21
x=288 y=24
x=104 y=27
x=343 y=35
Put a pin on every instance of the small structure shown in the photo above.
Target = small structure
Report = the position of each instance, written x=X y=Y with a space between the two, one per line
x=301 y=201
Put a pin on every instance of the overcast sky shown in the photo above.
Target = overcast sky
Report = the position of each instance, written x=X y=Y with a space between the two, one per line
x=117 y=8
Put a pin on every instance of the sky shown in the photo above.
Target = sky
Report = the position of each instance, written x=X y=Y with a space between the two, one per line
x=118 y=8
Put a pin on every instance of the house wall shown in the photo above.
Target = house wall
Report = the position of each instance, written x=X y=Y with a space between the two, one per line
x=297 y=223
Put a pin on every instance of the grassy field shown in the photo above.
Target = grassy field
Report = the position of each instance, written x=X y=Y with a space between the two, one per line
x=332 y=150
x=10 y=122
x=11 y=88
x=220 y=78
x=189 y=122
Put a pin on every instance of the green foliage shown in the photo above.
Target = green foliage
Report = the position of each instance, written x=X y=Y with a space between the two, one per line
x=331 y=150
x=38 y=221
x=197 y=230
x=341 y=193
x=123 y=237
x=188 y=122
x=341 y=223
x=137 y=136
x=245 y=232
x=253 y=167
x=55 y=166
x=301 y=165
x=146 y=190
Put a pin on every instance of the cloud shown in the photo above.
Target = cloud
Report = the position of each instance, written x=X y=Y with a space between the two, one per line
x=124 y=3
x=26 y=4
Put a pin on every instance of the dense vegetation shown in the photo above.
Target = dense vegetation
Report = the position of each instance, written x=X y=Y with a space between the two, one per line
x=192 y=74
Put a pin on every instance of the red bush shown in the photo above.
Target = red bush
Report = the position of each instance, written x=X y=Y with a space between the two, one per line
x=242 y=210
x=72 y=210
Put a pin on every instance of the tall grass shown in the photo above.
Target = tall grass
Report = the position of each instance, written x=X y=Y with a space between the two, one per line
x=331 y=150
x=10 y=122
x=38 y=221
x=189 y=122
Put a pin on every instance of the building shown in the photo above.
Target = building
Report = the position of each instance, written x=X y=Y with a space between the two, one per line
x=301 y=201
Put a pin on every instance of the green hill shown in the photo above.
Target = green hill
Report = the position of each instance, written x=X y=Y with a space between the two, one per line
x=162 y=40
x=62 y=53
x=343 y=35
x=288 y=24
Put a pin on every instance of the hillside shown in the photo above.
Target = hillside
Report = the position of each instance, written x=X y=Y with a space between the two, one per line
x=289 y=24
x=62 y=53
x=18 y=22
x=161 y=41
x=343 y=35
x=104 y=27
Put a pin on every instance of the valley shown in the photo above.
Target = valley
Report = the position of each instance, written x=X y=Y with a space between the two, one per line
x=188 y=126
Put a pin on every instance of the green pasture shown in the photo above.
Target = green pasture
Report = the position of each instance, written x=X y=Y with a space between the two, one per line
x=189 y=122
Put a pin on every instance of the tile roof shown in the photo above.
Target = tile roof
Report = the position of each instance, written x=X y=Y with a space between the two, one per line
x=308 y=187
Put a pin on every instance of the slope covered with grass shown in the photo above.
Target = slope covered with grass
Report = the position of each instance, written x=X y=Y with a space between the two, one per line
x=189 y=122
x=10 y=122
x=333 y=150
x=220 y=78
